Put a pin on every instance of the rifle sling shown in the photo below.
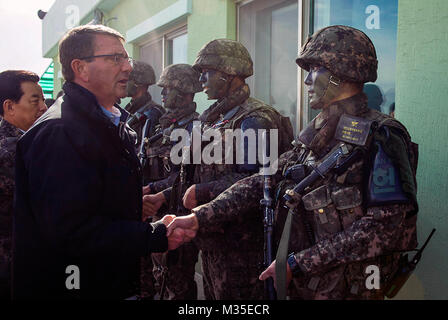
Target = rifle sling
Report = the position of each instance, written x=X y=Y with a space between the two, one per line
x=280 y=265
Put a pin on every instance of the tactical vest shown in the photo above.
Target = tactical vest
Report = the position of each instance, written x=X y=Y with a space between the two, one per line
x=332 y=205
x=232 y=120
x=158 y=153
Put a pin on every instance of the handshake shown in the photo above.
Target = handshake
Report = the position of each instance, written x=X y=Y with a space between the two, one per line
x=180 y=229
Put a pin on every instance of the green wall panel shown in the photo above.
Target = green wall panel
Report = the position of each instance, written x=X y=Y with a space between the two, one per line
x=421 y=104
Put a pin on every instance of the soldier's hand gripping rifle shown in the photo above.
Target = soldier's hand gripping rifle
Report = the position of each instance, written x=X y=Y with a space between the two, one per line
x=268 y=223
x=292 y=198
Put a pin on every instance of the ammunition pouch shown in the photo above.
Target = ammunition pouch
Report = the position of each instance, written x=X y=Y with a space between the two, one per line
x=334 y=210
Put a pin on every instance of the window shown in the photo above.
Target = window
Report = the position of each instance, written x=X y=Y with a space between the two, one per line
x=272 y=31
x=163 y=50
x=269 y=30
x=177 y=49
x=152 y=53
x=377 y=19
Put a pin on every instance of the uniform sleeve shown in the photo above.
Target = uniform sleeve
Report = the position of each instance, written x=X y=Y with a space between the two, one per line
x=163 y=184
x=241 y=197
x=377 y=233
x=210 y=190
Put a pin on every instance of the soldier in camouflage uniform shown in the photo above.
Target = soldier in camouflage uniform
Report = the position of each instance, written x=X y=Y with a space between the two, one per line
x=180 y=82
x=141 y=107
x=364 y=211
x=230 y=250
x=21 y=103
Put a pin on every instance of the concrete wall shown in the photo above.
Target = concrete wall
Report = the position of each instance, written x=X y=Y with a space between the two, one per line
x=421 y=104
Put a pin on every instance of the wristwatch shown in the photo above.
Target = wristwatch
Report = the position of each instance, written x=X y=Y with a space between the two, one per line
x=295 y=269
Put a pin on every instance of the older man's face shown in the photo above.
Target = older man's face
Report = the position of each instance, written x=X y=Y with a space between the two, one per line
x=109 y=75
x=30 y=106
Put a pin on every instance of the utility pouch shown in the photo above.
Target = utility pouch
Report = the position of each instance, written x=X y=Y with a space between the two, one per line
x=348 y=202
x=325 y=215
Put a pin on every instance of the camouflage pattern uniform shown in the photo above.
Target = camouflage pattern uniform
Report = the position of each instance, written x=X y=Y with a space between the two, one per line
x=9 y=135
x=184 y=78
x=230 y=250
x=142 y=108
x=178 y=266
x=338 y=230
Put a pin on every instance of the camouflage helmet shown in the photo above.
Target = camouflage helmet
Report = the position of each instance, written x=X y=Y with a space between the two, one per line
x=346 y=52
x=182 y=77
x=227 y=56
x=142 y=73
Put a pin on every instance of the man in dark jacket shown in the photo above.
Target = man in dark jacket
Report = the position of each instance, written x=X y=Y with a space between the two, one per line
x=77 y=229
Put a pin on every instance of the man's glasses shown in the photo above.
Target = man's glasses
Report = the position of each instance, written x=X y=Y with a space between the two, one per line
x=118 y=58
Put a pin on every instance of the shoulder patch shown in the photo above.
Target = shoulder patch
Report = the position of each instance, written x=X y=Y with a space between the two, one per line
x=353 y=130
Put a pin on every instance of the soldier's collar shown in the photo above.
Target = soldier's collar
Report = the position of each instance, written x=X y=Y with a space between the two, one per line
x=319 y=133
x=231 y=113
x=141 y=101
x=354 y=105
x=235 y=98
x=187 y=119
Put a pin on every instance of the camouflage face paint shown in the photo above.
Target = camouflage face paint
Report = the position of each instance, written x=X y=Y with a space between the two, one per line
x=131 y=88
x=214 y=83
x=322 y=87
x=173 y=98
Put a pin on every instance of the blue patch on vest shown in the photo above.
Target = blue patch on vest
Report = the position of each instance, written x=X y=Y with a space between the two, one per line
x=384 y=181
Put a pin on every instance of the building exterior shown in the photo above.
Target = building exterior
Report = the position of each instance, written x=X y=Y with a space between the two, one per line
x=410 y=37
x=46 y=81
x=422 y=97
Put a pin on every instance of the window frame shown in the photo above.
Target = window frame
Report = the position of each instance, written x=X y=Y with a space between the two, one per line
x=166 y=36
x=304 y=20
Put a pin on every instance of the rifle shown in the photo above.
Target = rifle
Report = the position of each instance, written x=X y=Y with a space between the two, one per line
x=142 y=149
x=292 y=197
x=180 y=185
x=268 y=223
x=405 y=270
x=146 y=142
x=137 y=116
